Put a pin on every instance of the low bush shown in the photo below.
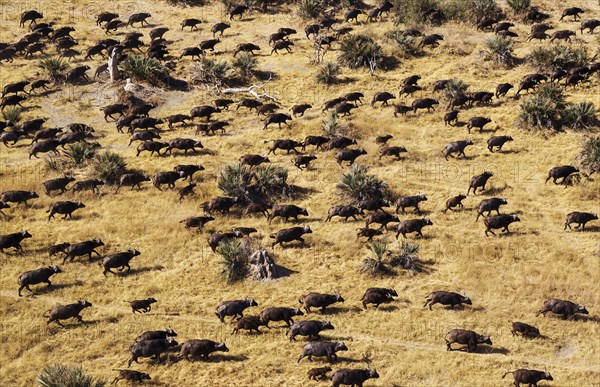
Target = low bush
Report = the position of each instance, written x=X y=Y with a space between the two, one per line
x=360 y=51
x=310 y=9
x=500 y=50
x=80 y=152
x=328 y=73
x=59 y=375
x=557 y=57
x=405 y=43
x=519 y=6
x=580 y=116
x=12 y=114
x=266 y=183
x=234 y=259
x=211 y=72
x=55 y=68
x=358 y=184
x=455 y=88
x=589 y=154
x=108 y=166
x=543 y=110
x=141 y=68
x=245 y=64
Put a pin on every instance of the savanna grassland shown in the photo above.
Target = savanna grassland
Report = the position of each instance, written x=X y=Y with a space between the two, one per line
x=507 y=277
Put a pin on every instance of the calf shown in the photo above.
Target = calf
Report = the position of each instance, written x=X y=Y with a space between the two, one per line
x=497 y=142
x=34 y=277
x=383 y=97
x=188 y=170
x=300 y=109
x=245 y=47
x=82 y=248
x=401 y=109
x=177 y=118
x=64 y=312
x=466 y=337
x=89 y=185
x=455 y=201
x=349 y=155
x=378 y=296
x=156 y=335
x=581 y=218
x=287 y=211
x=310 y=328
x=424 y=103
x=59 y=184
x=65 y=208
x=479 y=181
x=499 y=221
x=490 y=205
x=382 y=140
x=188 y=190
x=59 y=248
x=201 y=348
x=343 y=212
x=150 y=348
x=446 y=298
x=18 y=196
x=220 y=204
x=197 y=221
x=565 y=308
x=169 y=178
x=410 y=201
x=392 y=151
x=478 y=122
x=319 y=300
x=151 y=146
x=525 y=330
x=562 y=35
x=319 y=373
x=131 y=376
x=529 y=377
x=368 y=233
x=119 y=260
x=219 y=28
x=289 y=235
x=141 y=306
x=13 y=240
x=110 y=110
x=145 y=135
x=382 y=218
x=234 y=308
x=502 y=89
x=303 y=161
x=412 y=225
x=456 y=147
x=279 y=314
x=352 y=377
x=132 y=179
x=340 y=142
x=323 y=349
x=561 y=172
x=253 y=160
x=450 y=117
x=249 y=323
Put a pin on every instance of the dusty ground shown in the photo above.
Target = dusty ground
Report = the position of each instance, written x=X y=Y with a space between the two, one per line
x=506 y=277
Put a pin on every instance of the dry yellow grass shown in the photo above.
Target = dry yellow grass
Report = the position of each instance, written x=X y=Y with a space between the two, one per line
x=507 y=277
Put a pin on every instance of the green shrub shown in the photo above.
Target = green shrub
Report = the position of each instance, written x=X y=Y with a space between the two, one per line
x=553 y=93
x=59 y=375
x=519 y=6
x=141 y=68
x=240 y=181
x=80 y=152
x=589 y=154
x=358 y=184
x=211 y=72
x=360 y=51
x=310 y=9
x=12 y=114
x=543 y=110
x=328 y=73
x=557 y=57
x=500 y=50
x=245 y=64
x=331 y=125
x=407 y=258
x=376 y=267
x=109 y=166
x=455 y=88
x=580 y=116
x=414 y=11
x=55 y=68
x=234 y=259
x=406 y=44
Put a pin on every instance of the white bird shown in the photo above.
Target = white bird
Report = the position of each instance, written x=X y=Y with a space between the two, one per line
x=132 y=87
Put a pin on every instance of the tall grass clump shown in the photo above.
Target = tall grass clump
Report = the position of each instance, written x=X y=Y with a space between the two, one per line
x=543 y=109
x=500 y=50
x=357 y=184
x=328 y=73
x=234 y=260
x=360 y=51
x=519 y=6
x=557 y=57
x=414 y=11
x=59 y=375
x=405 y=43
x=245 y=65
x=211 y=72
x=12 y=114
x=80 y=152
x=310 y=9
x=376 y=266
x=580 y=116
x=141 y=68
x=108 y=166
x=455 y=88
x=55 y=68
x=260 y=183
x=589 y=154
